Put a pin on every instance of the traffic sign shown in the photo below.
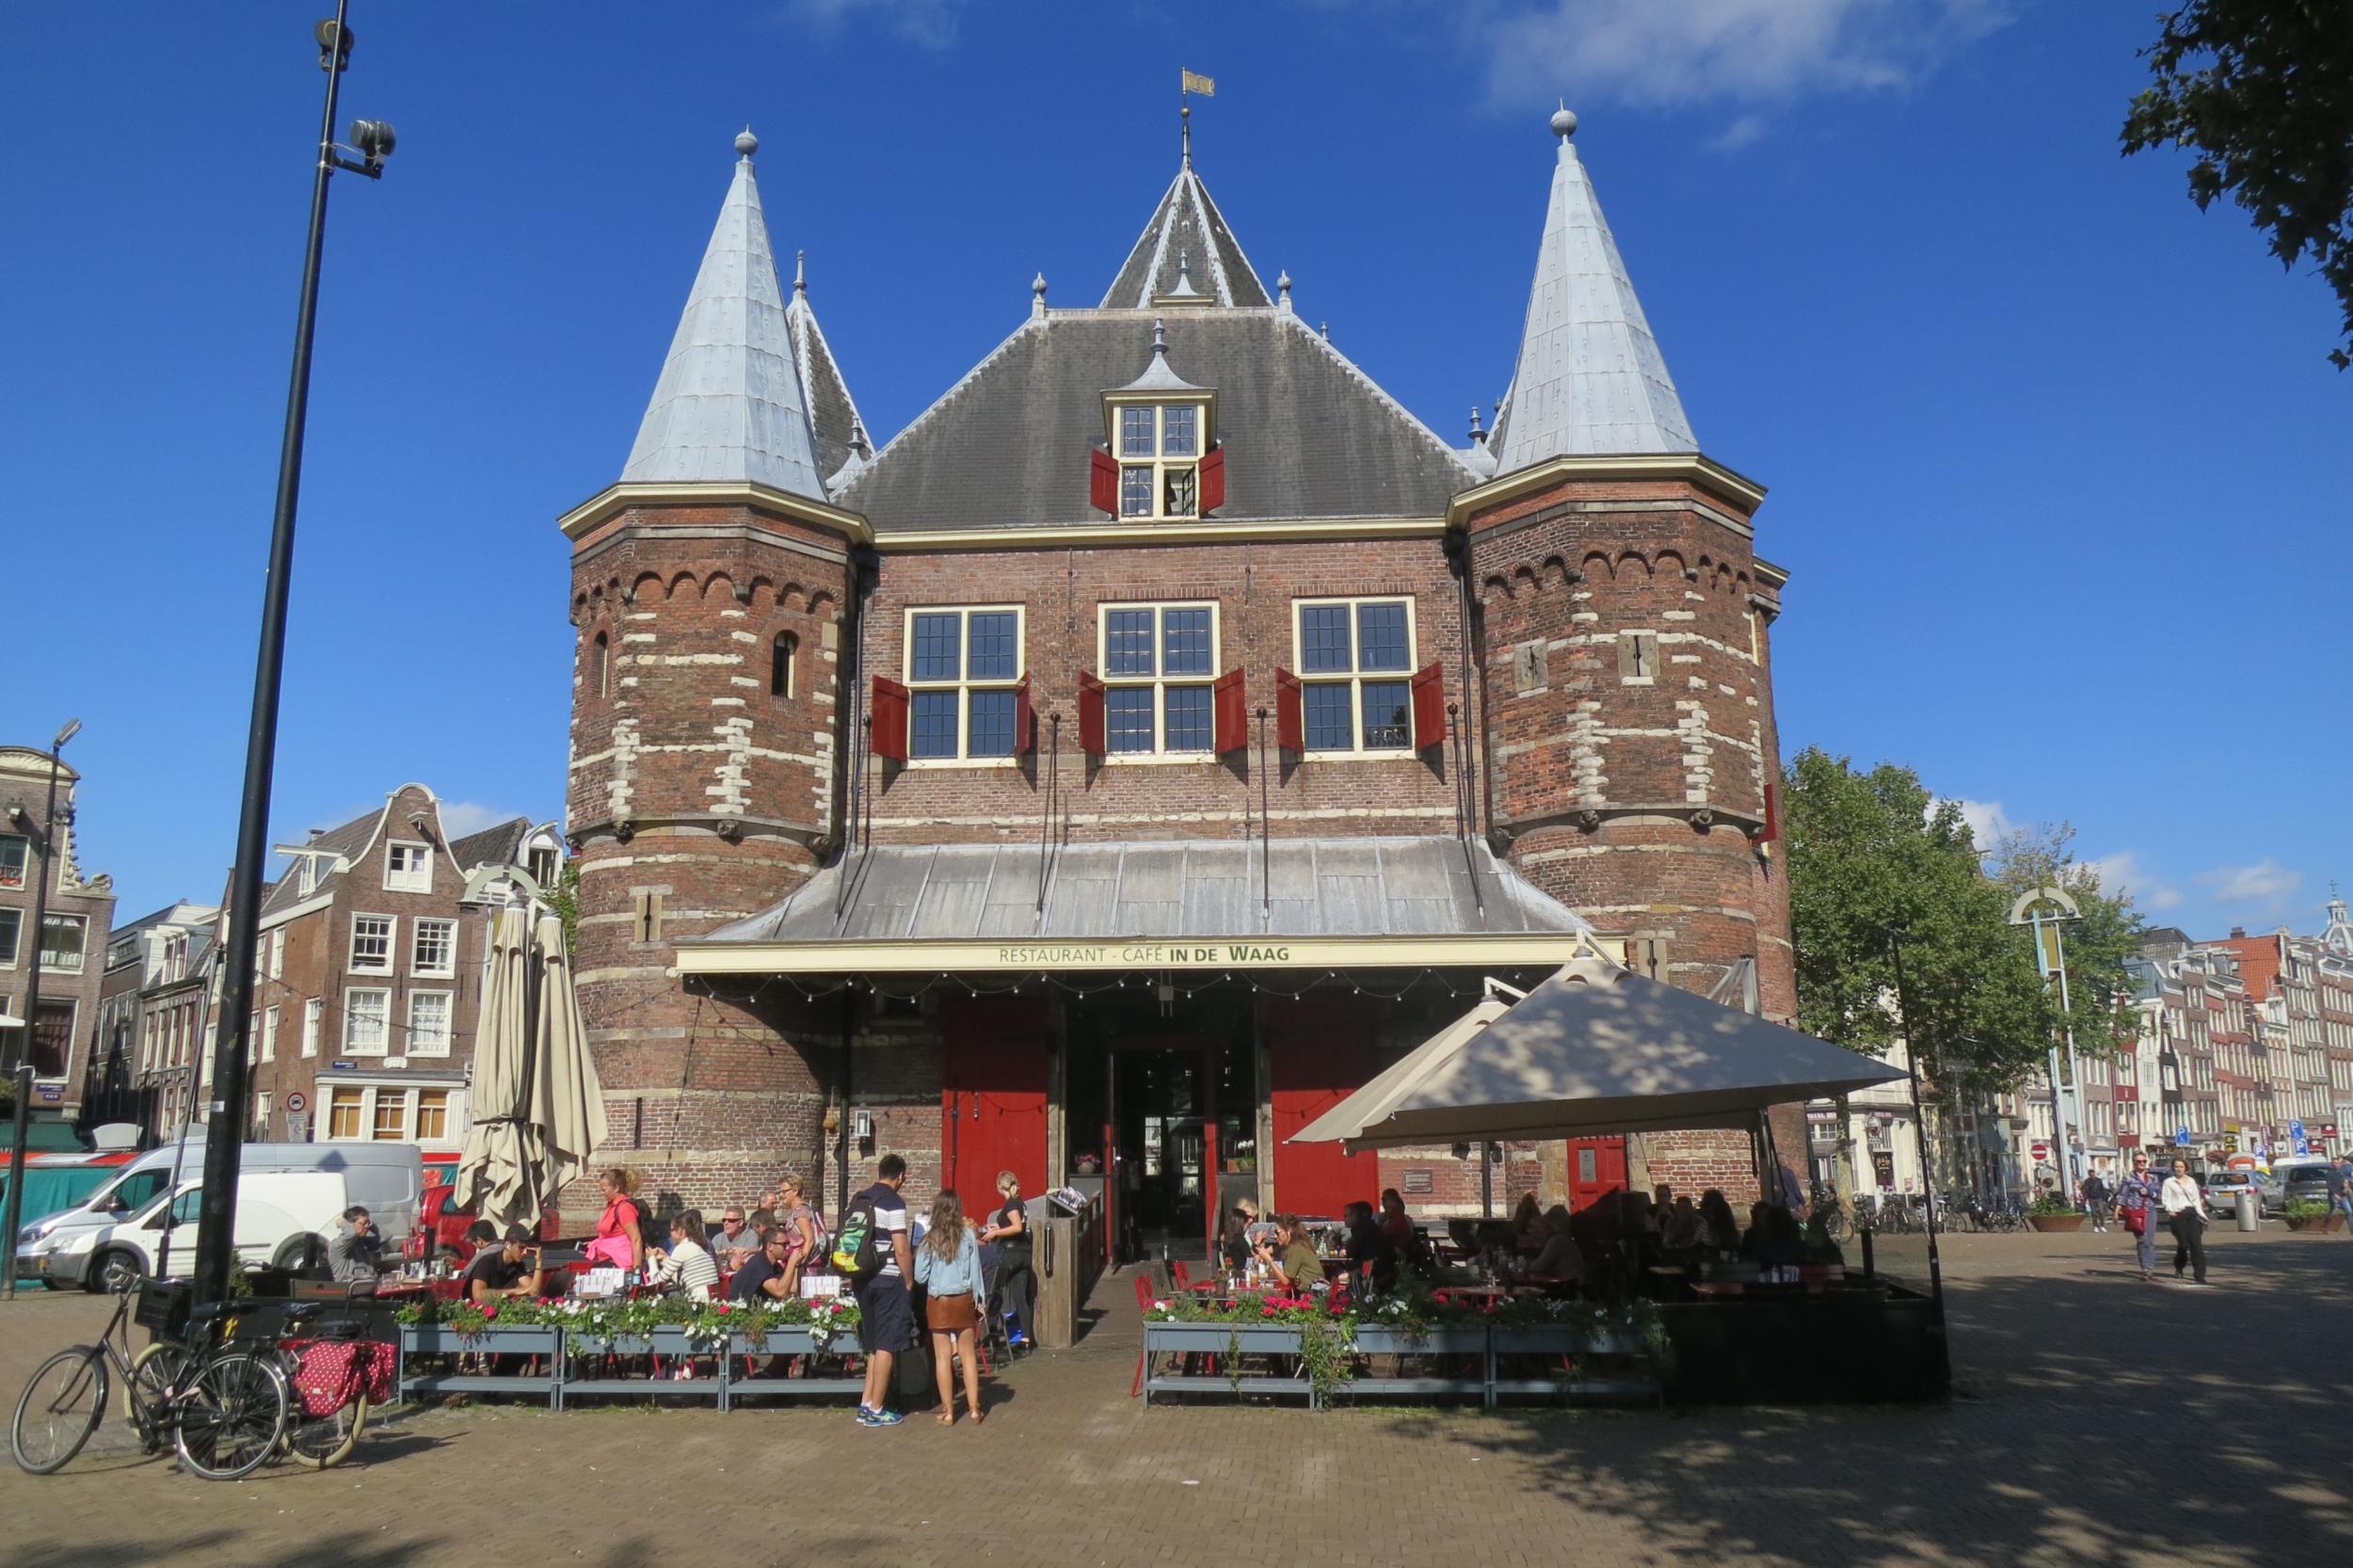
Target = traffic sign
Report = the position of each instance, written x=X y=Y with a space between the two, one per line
x=2038 y=1149
x=295 y=1102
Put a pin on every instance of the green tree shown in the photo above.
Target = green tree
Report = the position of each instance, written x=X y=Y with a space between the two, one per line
x=563 y=898
x=2262 y=90
x=2097 y=945
x=1875 y=861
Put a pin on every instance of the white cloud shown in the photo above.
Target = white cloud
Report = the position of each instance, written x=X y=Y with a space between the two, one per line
x=2265 y=882
x=460 y=817
x=1988 y=822
x=930 y=23
x=1700 y=53
x=2122 y=873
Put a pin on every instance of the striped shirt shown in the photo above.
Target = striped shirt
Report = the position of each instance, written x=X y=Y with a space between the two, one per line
x=691 y=1268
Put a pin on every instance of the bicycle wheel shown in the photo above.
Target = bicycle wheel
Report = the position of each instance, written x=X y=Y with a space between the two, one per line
x=232 y=1416
x=318 y=1442
x=61 y=1405
x=153 y=1377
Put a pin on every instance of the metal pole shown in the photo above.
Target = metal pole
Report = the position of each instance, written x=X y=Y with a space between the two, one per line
x=20 y=1075
x=1919 y=1128
x=225 y=1124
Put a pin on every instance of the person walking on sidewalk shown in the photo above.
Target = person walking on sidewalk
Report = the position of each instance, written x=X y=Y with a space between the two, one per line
x=2095 y=1197
x=886 y=1321
x=2340 y=1174
x=2138 y=1202
x=2185 y=1211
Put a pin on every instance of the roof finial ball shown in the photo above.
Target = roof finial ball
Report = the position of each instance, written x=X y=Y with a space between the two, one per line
x=745 y=142
x=1564 y=121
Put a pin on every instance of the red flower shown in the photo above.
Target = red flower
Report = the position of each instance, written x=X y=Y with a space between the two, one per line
x=1266 y=1309
x=489 y=1312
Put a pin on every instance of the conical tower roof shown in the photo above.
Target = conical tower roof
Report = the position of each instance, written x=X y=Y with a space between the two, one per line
x=1590 y=379
x=833 y=416
x=1186 y=243
x=730 y=407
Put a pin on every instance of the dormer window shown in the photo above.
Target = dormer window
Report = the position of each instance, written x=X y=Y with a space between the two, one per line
x=1160 y=460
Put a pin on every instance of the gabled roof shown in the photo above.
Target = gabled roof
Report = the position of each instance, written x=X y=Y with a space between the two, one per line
x=1589 y=379
x=1307 y=434
x=1185 y=232
x=345 y=841
x=833 y=415
x=729 y=406
x=493 y=846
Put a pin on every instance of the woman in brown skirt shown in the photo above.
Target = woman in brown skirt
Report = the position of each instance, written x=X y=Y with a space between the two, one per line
x=948 y=1266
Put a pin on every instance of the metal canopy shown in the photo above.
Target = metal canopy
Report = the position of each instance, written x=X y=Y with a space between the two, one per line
x=1594 y=1050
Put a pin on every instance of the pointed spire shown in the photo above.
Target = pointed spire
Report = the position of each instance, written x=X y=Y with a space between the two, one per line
x=832 y=413
x=800 y=272
x=1037 y=295
x=1186 y=221
x=1589 y=379
x=1283 y=290
x=1478 y=435
x=1160 y=375
x=729 y=406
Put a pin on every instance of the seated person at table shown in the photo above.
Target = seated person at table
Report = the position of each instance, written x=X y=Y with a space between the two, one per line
x=1719 y=1231
x=1233 y=1241
x=1292 y=1255
x=1775 y=1241
x=1557 y=1259
x=1256 y=1231
x=511 y=1269
x=685 y=1263
x=354 y=1256
x=1684 y=1231
x=1527 y=1222
x=762 y=1277
x=1366 y=1244
x=734 y=1241
x=1820 y=1248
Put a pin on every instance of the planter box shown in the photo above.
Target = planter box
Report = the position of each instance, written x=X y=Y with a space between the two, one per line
x=1570 y=1339
x=1219 y=1338
x=2334 y=1220
x=2056 y=1222
x=743 y=1358
x=436 y=1340
x=1444 y=1339
x=667 y=1344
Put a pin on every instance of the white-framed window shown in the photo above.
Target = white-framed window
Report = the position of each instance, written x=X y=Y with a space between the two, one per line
x=428 y=1023
x=345 y=1104
x=261 y=1117
x=270 y=1034
x=372 y=943
x=367 y=1017
x=307 y=876
x=61 y=939
x=1157 y=661
x=12 y=859
x=433 y=949
x=12 y=936
x=1160 y=458
x=252 y=1036
x=407 y=867
x=390 y=1125
x=313 y=1011
x=963 y=665
x=1355 y=673
x=278 y=952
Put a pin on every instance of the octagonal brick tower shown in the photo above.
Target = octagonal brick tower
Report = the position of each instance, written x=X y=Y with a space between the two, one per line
x=709 y=592
x=1625 y=619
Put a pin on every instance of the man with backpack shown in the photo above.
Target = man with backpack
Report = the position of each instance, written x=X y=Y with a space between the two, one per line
x=871 y=1249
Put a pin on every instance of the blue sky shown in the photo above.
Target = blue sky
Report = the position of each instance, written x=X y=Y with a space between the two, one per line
x=2047 y=447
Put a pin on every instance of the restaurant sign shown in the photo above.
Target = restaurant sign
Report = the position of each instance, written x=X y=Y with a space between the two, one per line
x=1139 y=955
x=1146 y=954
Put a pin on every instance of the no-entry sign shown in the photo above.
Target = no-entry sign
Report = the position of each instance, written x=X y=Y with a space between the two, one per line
x=2041 y=1151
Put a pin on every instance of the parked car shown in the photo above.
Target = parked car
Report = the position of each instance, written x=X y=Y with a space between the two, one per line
x=281 y=1217
x=441 y=1227
x=2305 y=1183
x=2223 y=1188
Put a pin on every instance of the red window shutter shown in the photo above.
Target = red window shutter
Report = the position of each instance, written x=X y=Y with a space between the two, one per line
x=1230 y=710
x=1429 y=708
x=1102 y=482
x=1213 y=480
x=1291 y=712
x=1091 y=725
x=890 y=719
x=1024 y=720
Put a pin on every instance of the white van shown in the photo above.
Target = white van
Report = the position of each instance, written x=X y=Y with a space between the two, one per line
x=385 y=1180
x=279 y=1215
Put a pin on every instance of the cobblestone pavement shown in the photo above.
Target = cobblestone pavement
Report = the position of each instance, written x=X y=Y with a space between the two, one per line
x=2101 y=1421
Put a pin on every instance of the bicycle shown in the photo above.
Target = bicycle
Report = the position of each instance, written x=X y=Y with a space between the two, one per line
x=222 y=1408
x=319 y=1441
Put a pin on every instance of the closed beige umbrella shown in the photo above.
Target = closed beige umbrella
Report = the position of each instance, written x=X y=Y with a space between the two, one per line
x=495 y=1173
x=566 y=1102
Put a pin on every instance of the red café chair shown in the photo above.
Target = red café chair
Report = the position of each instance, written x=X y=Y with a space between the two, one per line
x=1182 y=1277
x=1143 y=1304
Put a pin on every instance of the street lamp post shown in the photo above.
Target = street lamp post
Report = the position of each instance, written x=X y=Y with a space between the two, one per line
x=2043 y=908
x=21 y=1070
x=225 y=1126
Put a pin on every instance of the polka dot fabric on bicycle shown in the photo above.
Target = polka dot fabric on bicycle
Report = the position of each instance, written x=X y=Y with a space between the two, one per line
x=326 y=1374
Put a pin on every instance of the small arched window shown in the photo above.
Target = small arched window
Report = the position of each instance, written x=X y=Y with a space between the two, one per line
x=781 y=653
x=601 y=675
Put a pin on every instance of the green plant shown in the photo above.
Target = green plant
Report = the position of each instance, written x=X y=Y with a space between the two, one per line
x=1327 y=1351
x=2051 y=1203
x=2304 y=1209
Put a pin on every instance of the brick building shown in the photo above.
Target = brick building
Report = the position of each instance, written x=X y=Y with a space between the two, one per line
x=1157 y=735
x=62 y=1021
x=144 y=958
x=367 y=978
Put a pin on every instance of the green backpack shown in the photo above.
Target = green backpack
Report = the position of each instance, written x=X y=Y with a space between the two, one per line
x=856 y=1256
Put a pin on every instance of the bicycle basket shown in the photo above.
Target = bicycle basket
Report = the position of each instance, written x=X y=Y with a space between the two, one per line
x=163 y=1307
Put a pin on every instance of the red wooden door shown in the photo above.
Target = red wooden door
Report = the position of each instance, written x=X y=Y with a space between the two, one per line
x=1596 y=1165
x=1321 y=1051
x=992 y=1097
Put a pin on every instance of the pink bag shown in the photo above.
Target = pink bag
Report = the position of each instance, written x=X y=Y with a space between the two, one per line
x=610 y=1251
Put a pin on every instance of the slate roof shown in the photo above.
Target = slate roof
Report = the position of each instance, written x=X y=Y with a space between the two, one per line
x=832 y=412
x=729 y=405
x=1154 y=889
x=1186 y=226
x=499 y=846
x=1306 y=433
x=1589 y=379
x=346 y=841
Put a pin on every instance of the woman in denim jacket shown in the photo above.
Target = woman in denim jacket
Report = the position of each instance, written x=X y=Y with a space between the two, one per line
x=948 y=1266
